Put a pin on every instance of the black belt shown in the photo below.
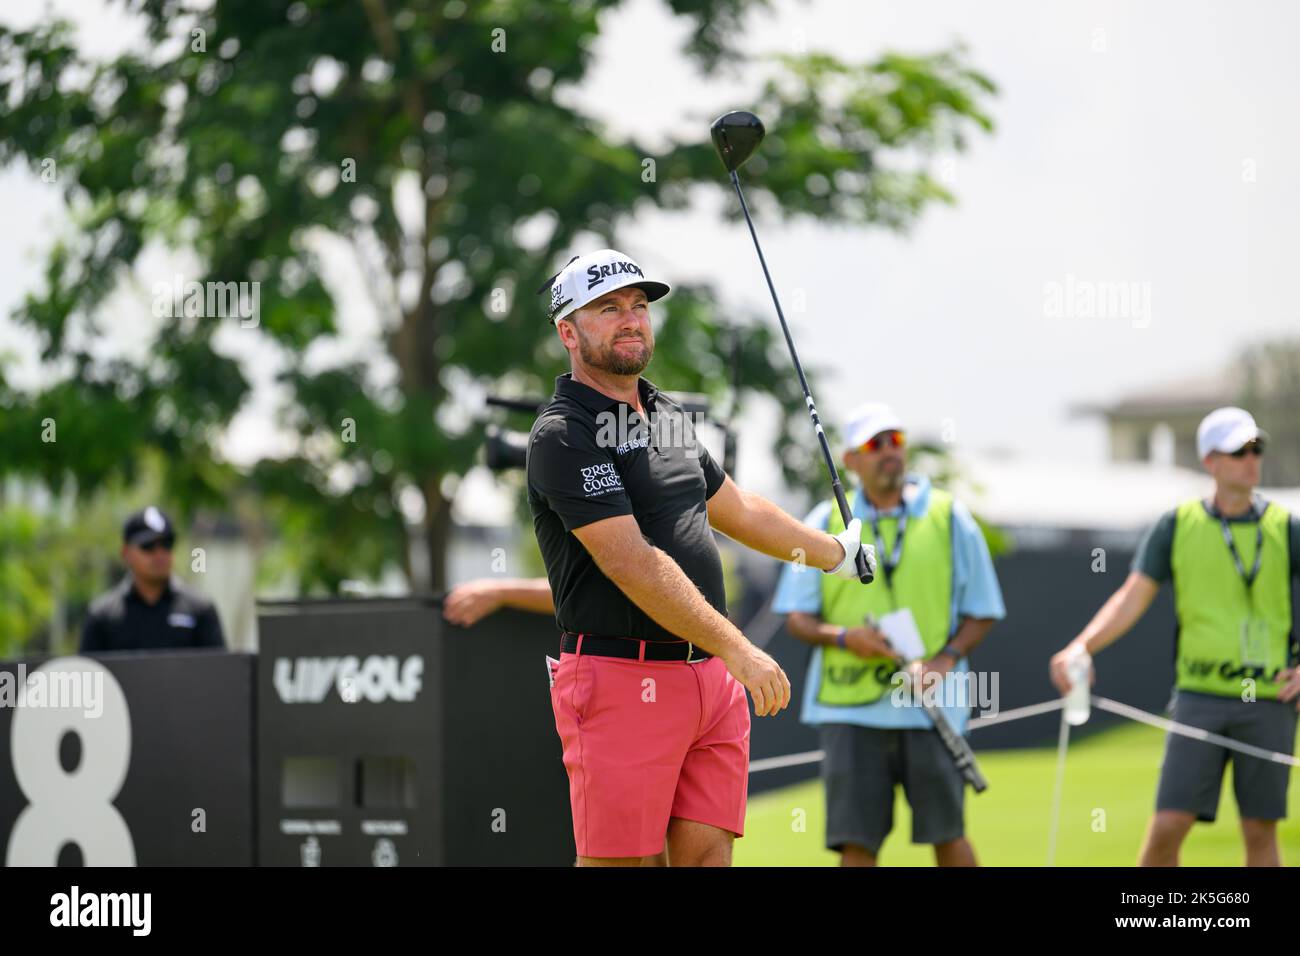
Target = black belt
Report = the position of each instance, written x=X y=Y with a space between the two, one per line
x=630 y=648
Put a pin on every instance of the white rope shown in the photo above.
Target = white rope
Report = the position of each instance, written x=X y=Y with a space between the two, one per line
x=814 y=756
x=1196 y=733
x=1046 y=707
x=789 y=760
x=1033 y=710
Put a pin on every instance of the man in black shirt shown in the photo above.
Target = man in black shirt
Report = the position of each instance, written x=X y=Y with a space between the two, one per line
x=649 y=690
x=149 y=609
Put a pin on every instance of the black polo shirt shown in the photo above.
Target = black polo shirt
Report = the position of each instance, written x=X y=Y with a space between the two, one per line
x=591 y=457
x=121 y=620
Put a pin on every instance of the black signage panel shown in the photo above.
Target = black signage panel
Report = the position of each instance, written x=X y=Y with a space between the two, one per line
x=127 y=759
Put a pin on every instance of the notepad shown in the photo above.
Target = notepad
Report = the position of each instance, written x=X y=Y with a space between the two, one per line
x=900 y=627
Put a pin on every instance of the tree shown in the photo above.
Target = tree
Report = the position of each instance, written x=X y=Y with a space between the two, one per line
x=1267 y=374
x=434 y=140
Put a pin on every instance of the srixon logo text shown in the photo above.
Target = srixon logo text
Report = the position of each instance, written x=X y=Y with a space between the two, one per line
x=598 y=274
x=306 y=680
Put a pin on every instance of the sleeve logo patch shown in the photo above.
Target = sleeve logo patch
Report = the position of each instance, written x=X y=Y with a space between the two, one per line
x=600 y=479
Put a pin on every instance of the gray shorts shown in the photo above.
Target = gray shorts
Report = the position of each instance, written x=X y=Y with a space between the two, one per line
x=1191 y=776
x=861 y=769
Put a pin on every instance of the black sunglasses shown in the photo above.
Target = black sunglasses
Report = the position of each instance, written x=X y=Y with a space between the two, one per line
x=164 y=543
x=1255 y=447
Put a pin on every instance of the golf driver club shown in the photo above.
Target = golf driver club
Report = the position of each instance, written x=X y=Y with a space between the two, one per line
x=735 y=136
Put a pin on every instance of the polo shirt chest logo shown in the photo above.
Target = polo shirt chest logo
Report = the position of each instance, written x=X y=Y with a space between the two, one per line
x=176 y=619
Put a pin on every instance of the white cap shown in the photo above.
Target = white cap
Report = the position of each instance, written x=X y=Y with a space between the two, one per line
x=588 y=277
x=868 y=421
x=1226 y=430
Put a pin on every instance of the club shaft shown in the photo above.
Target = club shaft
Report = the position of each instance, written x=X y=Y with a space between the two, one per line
x=958 y=749
x=864 y=572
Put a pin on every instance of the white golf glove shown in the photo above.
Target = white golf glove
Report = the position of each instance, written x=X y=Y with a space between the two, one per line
x=850 y=540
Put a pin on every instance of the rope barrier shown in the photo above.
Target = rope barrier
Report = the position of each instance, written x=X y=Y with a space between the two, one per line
x=1005 y=716
x=1046 y=707
x=789 y=760
x=1196 y=733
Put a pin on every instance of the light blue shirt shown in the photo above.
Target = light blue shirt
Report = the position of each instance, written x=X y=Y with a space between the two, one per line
x=975 y=593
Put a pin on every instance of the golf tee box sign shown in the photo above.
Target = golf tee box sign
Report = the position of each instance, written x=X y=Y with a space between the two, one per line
x=388 y=738
x=348 y=736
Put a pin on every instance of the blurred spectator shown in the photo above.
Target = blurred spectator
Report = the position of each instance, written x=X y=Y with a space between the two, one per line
x=150 y=609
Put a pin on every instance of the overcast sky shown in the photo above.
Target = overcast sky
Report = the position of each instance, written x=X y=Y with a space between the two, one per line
x=1136 y=143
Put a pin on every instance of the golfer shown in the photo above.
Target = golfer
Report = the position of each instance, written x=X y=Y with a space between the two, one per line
x=1231 y=558
x=649 y=691
x=937 y=584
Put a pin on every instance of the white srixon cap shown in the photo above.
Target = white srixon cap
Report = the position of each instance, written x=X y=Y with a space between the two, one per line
x=588 y=277
x=1225 y=430
x=868 y=421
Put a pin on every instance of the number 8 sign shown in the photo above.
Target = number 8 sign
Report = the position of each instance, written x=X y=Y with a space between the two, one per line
x=71 y=806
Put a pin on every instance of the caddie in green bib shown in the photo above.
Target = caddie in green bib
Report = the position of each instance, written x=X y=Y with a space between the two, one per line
x=915 y=572
x=1232 y=593
x=1231 y=557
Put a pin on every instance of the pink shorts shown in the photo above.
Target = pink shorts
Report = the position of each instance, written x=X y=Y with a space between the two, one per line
x=648 y=740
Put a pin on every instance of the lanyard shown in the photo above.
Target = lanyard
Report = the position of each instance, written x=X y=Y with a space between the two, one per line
x=890 y=564
x=1236 y=558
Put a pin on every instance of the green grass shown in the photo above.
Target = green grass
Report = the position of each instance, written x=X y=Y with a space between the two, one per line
x=1110 y=778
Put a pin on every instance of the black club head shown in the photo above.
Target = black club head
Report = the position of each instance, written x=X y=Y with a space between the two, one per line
x=735 y=136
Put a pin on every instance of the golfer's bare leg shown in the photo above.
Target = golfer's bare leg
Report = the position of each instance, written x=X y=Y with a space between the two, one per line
x=1260 y=837
x=659 y=859
x=853 y=855
x=697 y=844
x=1165 y=835
x=958 y=852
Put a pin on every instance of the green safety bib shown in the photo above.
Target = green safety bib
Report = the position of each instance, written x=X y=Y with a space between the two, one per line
x=922 y=582
x=1229 y=632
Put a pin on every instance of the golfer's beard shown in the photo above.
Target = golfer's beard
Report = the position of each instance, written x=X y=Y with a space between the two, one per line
x=609 y=359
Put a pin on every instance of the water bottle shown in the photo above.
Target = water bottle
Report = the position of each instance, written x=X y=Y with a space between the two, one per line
x=1078 y=669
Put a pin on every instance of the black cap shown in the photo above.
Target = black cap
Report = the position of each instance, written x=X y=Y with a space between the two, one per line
x=146 y=526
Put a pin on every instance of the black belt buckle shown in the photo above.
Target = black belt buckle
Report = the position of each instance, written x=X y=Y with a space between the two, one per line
x=690 y=650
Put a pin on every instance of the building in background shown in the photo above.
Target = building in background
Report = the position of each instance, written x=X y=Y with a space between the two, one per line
x=1157 y=425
